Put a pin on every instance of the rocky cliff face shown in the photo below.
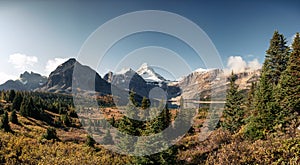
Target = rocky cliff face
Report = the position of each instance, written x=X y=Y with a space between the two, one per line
x=61 y=79
x=201 y=84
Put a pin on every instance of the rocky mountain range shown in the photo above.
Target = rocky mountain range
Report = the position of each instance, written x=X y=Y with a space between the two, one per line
x=200 y=83
x=203 y=83
x=27 y=81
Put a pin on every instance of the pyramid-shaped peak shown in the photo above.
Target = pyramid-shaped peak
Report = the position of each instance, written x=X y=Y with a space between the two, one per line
x=148 y=73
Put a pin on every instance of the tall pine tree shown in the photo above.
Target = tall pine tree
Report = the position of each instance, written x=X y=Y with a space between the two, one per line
x=233 y=113
x=14 y=117
x=250 y=98
x=265 y=108
x=145 y=108
x=288 y=89
x=4 y=123
x=129 y=126
x=17 y=101
x=11 y=95
x=276 y=58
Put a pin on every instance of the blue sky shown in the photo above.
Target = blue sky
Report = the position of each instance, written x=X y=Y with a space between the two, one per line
x=36 y=35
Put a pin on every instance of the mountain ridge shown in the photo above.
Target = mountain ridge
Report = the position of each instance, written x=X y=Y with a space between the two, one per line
x=60 y=81
x=27 y=81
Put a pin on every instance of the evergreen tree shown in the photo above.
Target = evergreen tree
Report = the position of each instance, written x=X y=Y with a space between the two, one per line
x=112 y=121
x=276 y=58
x=160 y=122
x=17 y=101
x=266 y=109
x=152 y=143
x=65 y=120
x=90 y=141
x=2 y=97
x=1 y=109
x=4 y=123
x=145 y=103
x=166 y=117
x=288 y=89
x=250 y=100
x=233 y=113
x=107 y=139
x=129 y=126
x=50 y=134
x=14 y=117
x=142 y=147
x=25 y=108
x=57 y=121
x=132 y=98
x=28 y=109
x=11 y=95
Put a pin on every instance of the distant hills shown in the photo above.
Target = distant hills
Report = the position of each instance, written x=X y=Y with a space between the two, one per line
x=141 y=81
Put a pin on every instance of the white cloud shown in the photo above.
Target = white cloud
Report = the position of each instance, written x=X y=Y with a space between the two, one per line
x=237 y=64
x=254 y=64
x=22 y=61
x=4 y=77
x=53 y=64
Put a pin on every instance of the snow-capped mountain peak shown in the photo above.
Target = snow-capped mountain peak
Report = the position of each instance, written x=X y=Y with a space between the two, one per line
x=148 y=74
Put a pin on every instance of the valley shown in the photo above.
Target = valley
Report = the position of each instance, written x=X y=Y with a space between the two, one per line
x=74 y=116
